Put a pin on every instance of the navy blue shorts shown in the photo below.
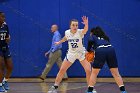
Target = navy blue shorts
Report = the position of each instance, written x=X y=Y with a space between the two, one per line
x=105 y=54
x=4 y=52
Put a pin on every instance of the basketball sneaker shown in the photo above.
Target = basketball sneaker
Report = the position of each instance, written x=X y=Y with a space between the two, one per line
x=5 y=85
x=2 y=89
x=94 y=91
x=123 y=92
x=52 y=90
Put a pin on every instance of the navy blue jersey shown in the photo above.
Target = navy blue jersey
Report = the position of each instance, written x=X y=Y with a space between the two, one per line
x=4 y=33
x=104 y=52
x=94 y=42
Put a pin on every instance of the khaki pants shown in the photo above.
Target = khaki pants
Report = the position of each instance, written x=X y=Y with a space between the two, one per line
x=54 y=57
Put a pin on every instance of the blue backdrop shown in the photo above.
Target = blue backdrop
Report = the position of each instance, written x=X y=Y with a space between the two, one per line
x=29 y=22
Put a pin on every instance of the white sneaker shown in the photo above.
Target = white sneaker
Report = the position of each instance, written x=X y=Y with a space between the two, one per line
x=52 y=90
x=94 y=91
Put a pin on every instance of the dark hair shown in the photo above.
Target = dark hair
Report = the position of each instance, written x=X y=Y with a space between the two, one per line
x=93 y=30
x=73 y=20
x=1 y=12
x=98 y=32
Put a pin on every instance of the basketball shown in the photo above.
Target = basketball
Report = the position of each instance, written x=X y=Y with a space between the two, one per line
x=90 y=56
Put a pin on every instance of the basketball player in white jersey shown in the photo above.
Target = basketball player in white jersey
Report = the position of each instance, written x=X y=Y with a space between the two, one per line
x=76 y=50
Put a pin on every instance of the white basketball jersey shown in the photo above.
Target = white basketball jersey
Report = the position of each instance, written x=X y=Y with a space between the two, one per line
x=75 y=42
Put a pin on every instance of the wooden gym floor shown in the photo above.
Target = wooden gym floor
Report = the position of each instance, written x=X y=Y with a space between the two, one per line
x=72 y=85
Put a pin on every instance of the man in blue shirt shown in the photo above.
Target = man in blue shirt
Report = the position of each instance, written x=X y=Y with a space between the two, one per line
x=54 y=53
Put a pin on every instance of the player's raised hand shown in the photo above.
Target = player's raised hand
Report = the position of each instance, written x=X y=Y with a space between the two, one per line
x=85 y=20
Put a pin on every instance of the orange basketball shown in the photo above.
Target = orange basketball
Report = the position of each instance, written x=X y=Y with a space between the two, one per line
x=90 y=56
